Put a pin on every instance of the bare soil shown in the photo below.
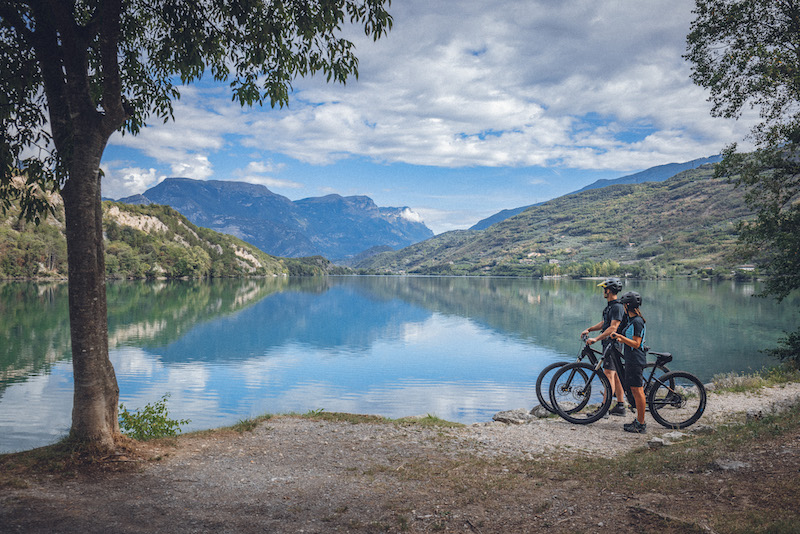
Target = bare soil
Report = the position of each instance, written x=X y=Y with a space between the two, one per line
x=298 y=474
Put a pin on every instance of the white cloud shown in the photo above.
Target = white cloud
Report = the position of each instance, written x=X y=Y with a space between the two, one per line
x=258 y=172
x=411 y=215
x=581 y=85
x=121 y=181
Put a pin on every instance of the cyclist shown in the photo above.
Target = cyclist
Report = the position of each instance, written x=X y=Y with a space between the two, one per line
x=631 y=335
x=613 y=314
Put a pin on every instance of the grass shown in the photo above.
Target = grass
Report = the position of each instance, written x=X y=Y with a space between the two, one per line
x=754 y=382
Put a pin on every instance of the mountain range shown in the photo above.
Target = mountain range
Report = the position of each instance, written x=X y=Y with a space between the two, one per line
x=683 y=225
x=332 y=226
x=653 y=174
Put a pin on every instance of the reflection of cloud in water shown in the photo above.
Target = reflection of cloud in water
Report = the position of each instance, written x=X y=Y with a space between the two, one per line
x=135 y=361
x=46 y=401
x=464 y=402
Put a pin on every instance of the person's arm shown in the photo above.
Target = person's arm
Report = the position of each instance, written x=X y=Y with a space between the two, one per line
x=608 y=331
x=635 y=343
x=594 y=328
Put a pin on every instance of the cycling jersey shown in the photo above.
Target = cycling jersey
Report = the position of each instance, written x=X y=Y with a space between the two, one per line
x=633 y=327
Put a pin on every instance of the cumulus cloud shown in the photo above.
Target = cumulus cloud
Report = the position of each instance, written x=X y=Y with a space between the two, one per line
x=260 y=172
x=120 y=181
x=510 y=86
x=580 y=85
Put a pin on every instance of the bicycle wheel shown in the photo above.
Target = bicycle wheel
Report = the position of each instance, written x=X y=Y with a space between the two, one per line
x=661 y=370
x=580 y=394
x=680 y=404
x=543 y=385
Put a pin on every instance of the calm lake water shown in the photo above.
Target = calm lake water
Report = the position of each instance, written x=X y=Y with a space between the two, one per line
x=459 y=348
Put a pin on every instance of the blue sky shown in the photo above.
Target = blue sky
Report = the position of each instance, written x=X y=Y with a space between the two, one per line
x=466 y=108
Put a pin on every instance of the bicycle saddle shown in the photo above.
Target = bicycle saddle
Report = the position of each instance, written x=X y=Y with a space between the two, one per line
x=665 y=356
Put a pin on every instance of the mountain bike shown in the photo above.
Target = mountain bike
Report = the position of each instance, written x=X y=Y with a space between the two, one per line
x=545 y=377
x=581 y=393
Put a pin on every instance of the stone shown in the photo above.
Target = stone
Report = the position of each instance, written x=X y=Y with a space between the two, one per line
x=519 y=416
x=540 y=411
x=729 y=465
x=656 y=443
x=753 y=414
x=672 y=437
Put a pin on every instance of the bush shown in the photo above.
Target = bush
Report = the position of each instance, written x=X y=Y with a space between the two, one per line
x=789 y=348
x=151 y=422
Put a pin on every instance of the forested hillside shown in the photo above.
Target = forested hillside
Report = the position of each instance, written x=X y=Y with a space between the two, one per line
x=684 y=225
x=142 y=242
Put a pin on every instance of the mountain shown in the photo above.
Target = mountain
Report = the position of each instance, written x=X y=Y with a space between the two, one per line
x=332 y=226
x=682 y=225
x=144 y=241
x=653 y=174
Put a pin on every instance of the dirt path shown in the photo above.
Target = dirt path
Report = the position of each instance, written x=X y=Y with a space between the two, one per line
x=300 y=475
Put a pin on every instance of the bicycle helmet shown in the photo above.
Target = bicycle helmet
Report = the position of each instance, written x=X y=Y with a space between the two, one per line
x=611 y=283
x=631 y=298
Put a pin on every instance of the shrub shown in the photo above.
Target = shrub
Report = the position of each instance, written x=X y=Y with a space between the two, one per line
x=151 y=422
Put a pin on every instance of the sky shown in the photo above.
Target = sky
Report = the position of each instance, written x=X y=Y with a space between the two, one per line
x=466 y=108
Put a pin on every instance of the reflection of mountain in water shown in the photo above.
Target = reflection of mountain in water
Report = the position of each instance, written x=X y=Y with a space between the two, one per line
x=32 y=341
x=715 y=327
x=323 y=313
x=34 y=333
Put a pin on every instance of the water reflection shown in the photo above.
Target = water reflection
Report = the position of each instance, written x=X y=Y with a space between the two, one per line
x=456 y=347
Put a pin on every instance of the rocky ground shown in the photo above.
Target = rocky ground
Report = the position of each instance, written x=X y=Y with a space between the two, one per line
x=293 y=474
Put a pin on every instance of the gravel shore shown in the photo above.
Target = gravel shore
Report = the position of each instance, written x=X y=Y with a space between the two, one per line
x=294 y=474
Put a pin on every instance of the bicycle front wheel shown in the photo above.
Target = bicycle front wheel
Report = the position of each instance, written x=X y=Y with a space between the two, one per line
x=677 y=399
x=543 y=384
x=580 y=394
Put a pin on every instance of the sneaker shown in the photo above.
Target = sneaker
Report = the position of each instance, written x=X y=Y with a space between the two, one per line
x=595 y=412
x=619 y=409
x=635 y=427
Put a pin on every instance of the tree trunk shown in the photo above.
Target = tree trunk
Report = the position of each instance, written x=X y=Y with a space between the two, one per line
x=96 y=396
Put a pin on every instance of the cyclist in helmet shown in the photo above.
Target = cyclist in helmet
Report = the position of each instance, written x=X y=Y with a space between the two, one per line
x=613 y=314
x=631 y=335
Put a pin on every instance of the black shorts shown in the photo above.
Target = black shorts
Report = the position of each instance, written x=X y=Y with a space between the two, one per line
x=610 y=361
x=634 y=375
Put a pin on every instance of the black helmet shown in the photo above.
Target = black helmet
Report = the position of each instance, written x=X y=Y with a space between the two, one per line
x=632 y=299
x=611 y=283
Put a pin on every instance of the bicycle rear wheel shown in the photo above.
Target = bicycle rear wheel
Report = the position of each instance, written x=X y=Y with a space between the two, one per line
x=580 y=394
x=677 y=399
x=660 y=371
x=543 y=385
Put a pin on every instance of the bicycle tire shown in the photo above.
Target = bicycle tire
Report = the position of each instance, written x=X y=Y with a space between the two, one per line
x=661 y=370
x=679 y=405
x=540 y=381
x=579 y=394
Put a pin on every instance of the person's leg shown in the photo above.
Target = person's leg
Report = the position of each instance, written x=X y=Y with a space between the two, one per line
x=617 y=388
x=638 y=394
x=613 y=379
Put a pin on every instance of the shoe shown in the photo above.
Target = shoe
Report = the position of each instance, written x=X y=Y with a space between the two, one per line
x=635 y=427
x=619 y=409
x=595 y=412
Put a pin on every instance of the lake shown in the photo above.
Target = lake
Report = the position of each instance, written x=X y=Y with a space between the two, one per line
x=458 y=348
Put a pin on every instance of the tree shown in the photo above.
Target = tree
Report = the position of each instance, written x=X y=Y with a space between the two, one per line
x=73 y=72
x=747 y=52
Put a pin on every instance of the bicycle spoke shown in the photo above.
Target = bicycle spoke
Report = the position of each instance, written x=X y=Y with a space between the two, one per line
x=580 y=394
x=677 y=400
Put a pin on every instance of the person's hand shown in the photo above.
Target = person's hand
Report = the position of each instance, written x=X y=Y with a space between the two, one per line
x=585 y=333
x=614 y=336
x=591 y=341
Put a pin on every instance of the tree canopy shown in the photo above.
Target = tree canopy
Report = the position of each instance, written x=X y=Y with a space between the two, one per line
x=122 y=63
x=747 y=53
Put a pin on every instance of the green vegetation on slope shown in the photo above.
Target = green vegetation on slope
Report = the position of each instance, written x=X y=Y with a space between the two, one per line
x=687 y=224
x=143 y=242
